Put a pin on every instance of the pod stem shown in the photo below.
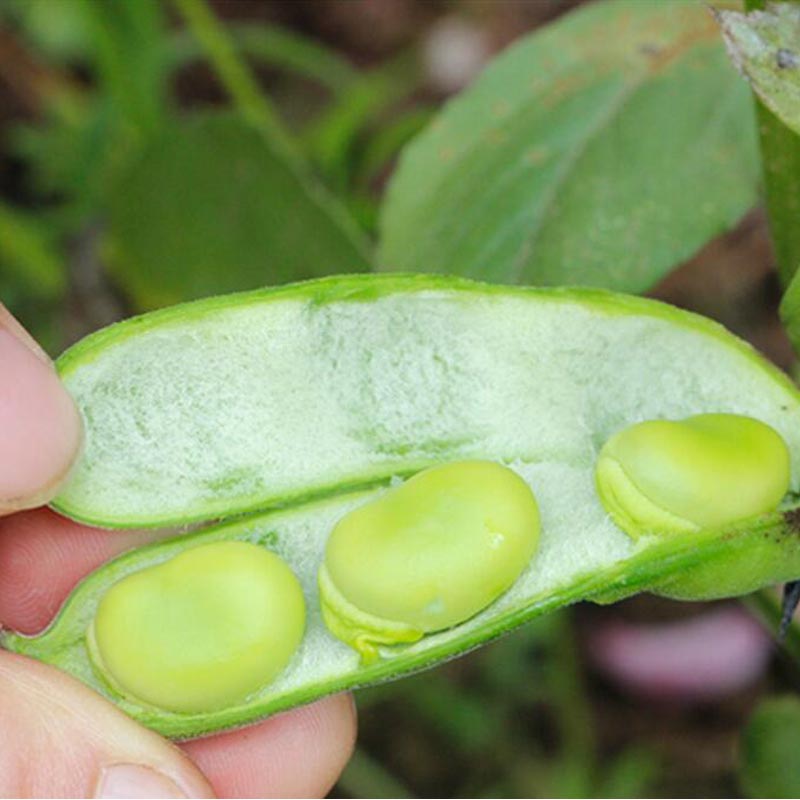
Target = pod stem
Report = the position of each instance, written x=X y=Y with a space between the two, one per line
x=791 y=599
x=766 y=608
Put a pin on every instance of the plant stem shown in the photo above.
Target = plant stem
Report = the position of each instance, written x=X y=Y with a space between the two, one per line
x=276 y=47
x=234 y=74
x=780 y=153
x=766 y=607
x=780 y=156
x=574 y=714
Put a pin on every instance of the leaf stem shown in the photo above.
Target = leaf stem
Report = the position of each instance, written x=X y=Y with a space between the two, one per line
x=275 y=47
x=234 y=74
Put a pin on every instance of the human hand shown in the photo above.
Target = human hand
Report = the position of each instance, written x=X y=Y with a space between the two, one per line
x=58 y=738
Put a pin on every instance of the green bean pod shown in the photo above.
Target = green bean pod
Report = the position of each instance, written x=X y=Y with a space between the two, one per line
x=302 y=411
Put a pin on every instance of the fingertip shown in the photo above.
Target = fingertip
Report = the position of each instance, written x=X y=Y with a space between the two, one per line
x=42 y=556
x=300 y=753
x=41 y=426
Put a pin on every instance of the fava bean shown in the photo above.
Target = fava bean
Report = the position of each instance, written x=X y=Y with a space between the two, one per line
x=201 y=631
x=427 y=555
x=704 y=471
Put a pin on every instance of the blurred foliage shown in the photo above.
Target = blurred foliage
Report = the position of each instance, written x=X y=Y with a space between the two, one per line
x=27 y=253
x=57 y=30
x=187 y=203
x=769 y=765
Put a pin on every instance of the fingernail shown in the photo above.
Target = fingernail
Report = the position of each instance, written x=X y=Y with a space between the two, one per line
x=133 y=781
x=41 y=426
x=9 y=322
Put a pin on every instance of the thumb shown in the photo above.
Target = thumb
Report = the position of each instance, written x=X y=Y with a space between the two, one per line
x=57 y=737
x=40 y=429
x=60 y=739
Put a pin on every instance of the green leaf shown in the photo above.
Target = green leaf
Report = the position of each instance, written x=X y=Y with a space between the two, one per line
x=780 y=155
x=769 y=765
x=765 y=46
x=291 y=397
x=209 y=207
x=603 y=150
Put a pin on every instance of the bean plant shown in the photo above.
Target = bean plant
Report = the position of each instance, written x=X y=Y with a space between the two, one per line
x=434 y=416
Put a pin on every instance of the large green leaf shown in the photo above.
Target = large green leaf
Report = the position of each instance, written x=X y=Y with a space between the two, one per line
x=780 y=156
x=764 y=44
x=209 y=207
x=603 y=150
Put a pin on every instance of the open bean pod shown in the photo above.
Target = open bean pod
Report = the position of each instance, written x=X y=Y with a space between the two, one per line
x=305 y=407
